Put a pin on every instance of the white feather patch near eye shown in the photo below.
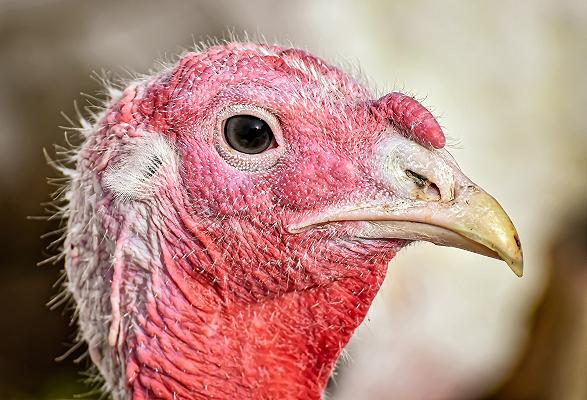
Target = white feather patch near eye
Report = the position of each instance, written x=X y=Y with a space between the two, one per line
x=142 y=168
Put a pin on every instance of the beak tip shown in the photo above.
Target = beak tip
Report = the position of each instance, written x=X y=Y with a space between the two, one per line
x=517 y=266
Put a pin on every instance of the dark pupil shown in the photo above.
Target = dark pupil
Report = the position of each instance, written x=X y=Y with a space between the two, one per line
x=247 y=134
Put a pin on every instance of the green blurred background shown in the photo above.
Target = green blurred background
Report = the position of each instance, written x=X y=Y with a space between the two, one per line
x=508 y=82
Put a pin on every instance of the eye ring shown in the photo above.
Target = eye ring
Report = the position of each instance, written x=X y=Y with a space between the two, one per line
x=250 y=162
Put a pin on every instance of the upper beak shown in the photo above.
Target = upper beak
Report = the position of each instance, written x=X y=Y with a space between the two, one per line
x=444 y=207
x=473 y=221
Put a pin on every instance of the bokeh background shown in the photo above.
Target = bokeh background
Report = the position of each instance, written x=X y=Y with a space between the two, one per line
x=507 y=80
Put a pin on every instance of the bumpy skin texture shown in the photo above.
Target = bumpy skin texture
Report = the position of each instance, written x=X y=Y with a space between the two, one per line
x=188 y=283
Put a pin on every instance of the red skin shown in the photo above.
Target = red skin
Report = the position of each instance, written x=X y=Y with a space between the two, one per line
x=412 y=118
x=232 y=305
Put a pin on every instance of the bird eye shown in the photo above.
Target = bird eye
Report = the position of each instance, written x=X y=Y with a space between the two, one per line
x=248 y=134
x=248 y=137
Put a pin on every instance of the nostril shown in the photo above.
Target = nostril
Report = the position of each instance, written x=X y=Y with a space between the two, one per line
x=418 y=179
x=427 y=189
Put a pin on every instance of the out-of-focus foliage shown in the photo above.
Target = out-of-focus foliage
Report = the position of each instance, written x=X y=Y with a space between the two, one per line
x=507 y=80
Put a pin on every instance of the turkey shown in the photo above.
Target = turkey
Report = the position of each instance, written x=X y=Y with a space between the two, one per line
x=231 y=218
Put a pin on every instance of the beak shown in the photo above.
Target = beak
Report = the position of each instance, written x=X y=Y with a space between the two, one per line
x=442 y=206
x=474 y=221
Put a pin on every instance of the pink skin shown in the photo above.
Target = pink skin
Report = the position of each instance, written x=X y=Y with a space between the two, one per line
x=412 y=118
x=210 y=295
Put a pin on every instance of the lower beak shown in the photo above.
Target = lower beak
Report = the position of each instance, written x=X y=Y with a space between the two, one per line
x=472 y=221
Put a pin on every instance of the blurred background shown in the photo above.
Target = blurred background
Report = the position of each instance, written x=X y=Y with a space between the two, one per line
x=507 y=80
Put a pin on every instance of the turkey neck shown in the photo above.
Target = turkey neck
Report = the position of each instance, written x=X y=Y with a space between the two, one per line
x=196 y=342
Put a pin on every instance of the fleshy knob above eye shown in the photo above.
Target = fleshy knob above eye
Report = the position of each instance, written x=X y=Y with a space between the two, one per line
x=248 y=134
